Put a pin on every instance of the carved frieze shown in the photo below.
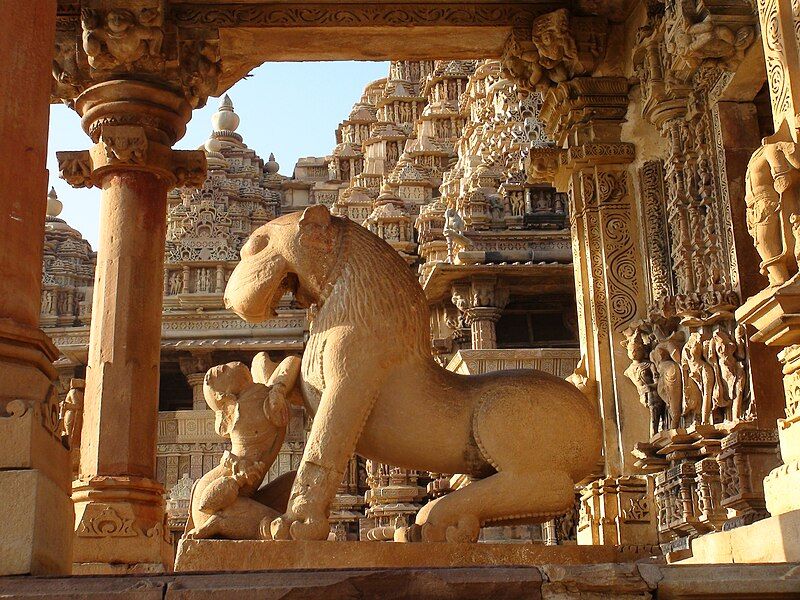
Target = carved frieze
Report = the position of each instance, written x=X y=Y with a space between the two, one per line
x=351 y=14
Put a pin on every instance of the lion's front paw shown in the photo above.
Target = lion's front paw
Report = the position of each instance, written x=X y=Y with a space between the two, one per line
x=287 y=527
x=311 y=529
x=280 y=528
x=467 y=530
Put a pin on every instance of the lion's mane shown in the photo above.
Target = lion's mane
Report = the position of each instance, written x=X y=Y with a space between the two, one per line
x=374 y=290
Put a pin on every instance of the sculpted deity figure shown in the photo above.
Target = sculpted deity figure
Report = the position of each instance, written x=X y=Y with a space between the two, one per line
x=175 y=283
x=698 y=379
x=71 y=412
x=726 y=356
x=517 y=202
x=669 y=381
x=453 y=232
x=370 y=381
x=552 y=57
x=121 y=37
x=252 y=410
x=771 y=198
x=391 y=152
x=47 y=302
x=640 y=372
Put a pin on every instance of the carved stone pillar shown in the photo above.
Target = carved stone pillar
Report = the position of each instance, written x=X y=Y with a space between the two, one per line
x=34 y=465
x=773 y=176
x=120 y=520
x=586 y=114
x=481 y=302
x=194 y=367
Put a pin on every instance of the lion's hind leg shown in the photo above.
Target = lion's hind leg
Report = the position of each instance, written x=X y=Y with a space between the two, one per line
x=504 y=496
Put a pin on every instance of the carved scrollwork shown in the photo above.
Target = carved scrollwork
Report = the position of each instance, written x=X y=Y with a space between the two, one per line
x=105 y=522
x=351 y=14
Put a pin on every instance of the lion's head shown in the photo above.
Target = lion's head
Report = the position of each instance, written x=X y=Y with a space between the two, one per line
x=293 y=252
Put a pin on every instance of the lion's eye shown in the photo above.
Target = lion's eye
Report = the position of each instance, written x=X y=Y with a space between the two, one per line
x=255 y=245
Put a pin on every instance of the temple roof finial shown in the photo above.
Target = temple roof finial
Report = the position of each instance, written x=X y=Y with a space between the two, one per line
x=54 y=205
x=271 y=166
x=225 y=119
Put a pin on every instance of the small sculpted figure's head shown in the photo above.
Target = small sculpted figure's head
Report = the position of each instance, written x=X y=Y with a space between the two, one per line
x=635 y=344
x=120 y=21
x=241 y=405
x=553 y=39
x=293 y=252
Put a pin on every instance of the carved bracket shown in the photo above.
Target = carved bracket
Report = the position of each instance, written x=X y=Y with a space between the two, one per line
x=127 y=149
x=555 y=49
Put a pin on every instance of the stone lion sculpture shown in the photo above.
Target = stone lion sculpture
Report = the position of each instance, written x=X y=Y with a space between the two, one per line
x=370 y=381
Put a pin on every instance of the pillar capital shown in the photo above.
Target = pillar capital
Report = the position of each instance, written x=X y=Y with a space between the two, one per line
x=586 y=111
x=118 y=39
x=195 y=363
x=482 y=313
x=133 y=125
x=480 y=292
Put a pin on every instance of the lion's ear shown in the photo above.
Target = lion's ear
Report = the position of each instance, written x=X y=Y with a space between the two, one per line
x=317 y=214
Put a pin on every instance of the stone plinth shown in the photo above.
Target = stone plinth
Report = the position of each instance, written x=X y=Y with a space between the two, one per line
x=562 y=582
x=775 y=313
x=772 y=540
x=260 y=555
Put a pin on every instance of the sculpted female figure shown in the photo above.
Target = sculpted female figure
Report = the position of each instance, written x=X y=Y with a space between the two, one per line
x=370 y=381
x=252 y=411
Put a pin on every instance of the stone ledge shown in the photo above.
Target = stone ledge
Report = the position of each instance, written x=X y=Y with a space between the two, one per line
x=771 y=540
x=263 y=555
x=548 y=582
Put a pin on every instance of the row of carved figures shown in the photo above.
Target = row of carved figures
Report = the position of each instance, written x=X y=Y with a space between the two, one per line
x=699 y=378
x=64 y=303
x=206 y=279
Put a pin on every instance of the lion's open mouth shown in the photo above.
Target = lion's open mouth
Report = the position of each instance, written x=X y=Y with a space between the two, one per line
x=288 y=284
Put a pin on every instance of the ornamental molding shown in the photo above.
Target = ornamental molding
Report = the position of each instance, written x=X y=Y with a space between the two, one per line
x=351 y=14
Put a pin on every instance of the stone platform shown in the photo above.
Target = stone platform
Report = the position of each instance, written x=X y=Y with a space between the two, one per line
x=262 y=555
x=621 y=581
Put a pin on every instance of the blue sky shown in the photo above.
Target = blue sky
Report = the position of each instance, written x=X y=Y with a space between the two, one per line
x=291 y=109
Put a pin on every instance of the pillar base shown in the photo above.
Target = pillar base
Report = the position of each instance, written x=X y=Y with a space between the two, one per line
x=35 y=510
x=35 y=532
x=617 y=511
x=120 y=526
x=782 y=489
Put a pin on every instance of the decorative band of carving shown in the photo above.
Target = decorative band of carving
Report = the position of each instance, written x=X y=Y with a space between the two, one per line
x=355 y=14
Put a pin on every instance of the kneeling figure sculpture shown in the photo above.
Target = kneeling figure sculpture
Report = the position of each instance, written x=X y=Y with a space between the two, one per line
x=370 y=381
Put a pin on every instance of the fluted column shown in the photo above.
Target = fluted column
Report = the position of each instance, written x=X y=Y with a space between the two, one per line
x=119 y=508
x=35 y=472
